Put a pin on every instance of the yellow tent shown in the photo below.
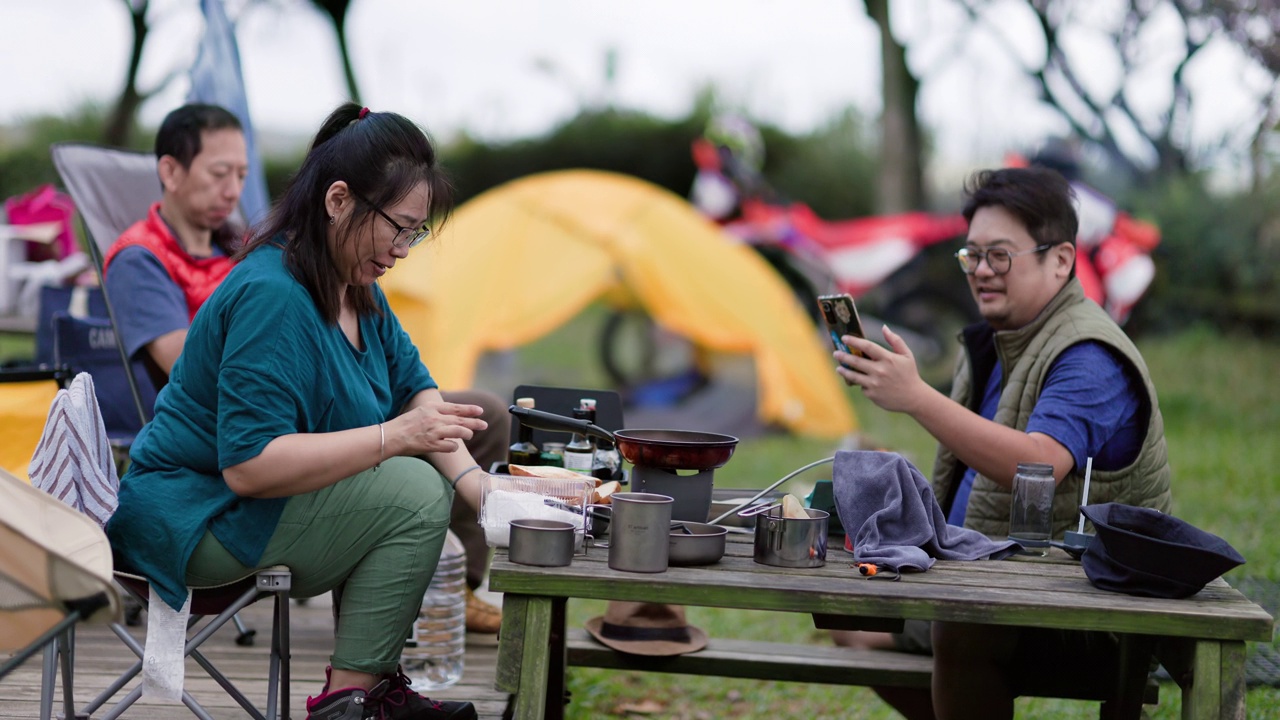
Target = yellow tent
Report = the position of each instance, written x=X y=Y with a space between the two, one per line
x=521 y=259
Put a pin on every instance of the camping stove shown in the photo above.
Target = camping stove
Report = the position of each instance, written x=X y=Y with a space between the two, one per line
x=692 y=492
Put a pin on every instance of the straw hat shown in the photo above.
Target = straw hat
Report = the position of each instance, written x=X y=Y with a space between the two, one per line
x=646 y=629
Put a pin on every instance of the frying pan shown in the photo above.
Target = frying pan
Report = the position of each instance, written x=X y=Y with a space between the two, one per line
x=665 y=449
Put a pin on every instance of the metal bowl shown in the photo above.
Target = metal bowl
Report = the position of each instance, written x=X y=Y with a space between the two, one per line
x=696 y=543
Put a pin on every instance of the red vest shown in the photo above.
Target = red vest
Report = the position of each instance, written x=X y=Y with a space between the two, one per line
x=197 y=277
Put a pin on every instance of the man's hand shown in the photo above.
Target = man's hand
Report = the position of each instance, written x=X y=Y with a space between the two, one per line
x=432 y=427
x=887 y=376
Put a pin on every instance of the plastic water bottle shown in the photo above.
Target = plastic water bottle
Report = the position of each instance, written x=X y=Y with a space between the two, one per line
x=433 y=654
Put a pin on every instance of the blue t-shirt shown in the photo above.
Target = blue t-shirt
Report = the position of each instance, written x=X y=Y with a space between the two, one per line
x=1090 y=404
x=146 y=300
x=259 y=362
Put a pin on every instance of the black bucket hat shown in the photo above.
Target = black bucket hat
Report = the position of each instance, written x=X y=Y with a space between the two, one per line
x=1140 y=551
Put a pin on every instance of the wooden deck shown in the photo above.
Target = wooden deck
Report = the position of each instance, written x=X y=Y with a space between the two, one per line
x=100 y=657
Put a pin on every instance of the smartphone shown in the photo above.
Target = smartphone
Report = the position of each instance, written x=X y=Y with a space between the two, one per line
x=841 y=317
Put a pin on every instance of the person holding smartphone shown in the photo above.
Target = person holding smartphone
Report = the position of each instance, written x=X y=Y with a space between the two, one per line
x=1047 y=376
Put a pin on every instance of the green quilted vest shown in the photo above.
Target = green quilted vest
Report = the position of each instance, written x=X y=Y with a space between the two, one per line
x=1026 y=354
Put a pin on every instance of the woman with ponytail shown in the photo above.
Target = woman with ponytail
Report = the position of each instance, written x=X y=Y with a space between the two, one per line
x=300 y=427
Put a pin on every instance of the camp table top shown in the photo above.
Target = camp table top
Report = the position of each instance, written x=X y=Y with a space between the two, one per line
x=1201 y=639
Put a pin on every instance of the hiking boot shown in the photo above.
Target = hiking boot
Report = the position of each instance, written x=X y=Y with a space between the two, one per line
x=481 y=616
x=397 y=701
x=345 y=704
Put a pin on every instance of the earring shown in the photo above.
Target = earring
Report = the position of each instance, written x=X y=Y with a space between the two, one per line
x=332 y=220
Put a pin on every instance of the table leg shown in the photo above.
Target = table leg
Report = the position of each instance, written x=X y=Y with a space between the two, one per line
x=557 y=661
x=1217 y=685
x=524 y=653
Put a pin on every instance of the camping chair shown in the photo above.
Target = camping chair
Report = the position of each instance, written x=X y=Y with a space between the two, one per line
x=55 y=571
x=73 y=463
x=113 y=189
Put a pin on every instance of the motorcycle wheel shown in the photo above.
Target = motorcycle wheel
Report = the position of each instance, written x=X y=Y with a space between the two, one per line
x=931 y=320
x=635 y=351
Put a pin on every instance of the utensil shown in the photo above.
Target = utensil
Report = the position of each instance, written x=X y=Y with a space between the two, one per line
x=696 y=543
x=663 y=449
x=769 y=489
x=1074 y=543
x=638 y=532
x=792 y=542
x=544 y=543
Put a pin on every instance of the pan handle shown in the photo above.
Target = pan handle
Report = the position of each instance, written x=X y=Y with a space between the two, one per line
x=540 y=420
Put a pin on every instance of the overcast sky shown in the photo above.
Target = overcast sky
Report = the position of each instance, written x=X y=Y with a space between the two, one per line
x=512 y=68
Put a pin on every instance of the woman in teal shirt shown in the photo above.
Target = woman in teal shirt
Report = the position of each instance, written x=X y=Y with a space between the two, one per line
x=300 y=427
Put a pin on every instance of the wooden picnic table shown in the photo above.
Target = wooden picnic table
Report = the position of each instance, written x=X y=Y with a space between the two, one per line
x=1200 y=640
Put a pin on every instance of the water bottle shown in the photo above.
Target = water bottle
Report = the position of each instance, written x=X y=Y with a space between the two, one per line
x=433 y=654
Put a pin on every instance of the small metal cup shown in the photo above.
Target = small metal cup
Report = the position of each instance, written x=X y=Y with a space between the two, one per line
x=544 y=543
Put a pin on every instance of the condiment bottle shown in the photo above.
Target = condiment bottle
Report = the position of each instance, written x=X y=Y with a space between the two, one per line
x=553 y=454
x=523 y=451
x=606 y=464
x=580 y=452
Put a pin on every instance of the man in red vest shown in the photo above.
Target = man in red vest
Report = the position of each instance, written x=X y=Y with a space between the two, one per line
x=162 y=269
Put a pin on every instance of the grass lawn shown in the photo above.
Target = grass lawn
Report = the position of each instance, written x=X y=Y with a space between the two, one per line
x=1221 y=407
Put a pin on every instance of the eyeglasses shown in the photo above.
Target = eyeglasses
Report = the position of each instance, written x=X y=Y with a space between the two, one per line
x=406 y=237
x=998 y=259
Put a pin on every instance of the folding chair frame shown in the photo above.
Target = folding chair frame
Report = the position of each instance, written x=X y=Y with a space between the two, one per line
x=274 y=581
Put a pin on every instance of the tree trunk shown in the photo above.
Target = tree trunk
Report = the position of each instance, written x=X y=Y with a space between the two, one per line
x=901 y=173
x=119 y=125
x=353 y=90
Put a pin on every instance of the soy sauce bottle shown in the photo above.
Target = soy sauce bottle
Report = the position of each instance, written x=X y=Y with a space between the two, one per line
x=580 y=451
x=523 y=451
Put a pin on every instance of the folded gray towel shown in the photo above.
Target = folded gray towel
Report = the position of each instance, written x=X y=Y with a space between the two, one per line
x=888 y=509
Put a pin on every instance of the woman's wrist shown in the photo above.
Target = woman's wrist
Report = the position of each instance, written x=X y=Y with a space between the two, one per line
x=464 y=473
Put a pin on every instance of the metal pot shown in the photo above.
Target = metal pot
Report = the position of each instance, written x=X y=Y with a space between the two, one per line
x=791 y=542
x=664 y=449
x=696 y=543
x=544 y=543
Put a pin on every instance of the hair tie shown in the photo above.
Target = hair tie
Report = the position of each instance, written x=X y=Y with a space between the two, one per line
x=363 y=111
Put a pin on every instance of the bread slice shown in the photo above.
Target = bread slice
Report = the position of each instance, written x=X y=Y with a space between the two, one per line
x=549 y=471
x=793 y=508
x=601 y=495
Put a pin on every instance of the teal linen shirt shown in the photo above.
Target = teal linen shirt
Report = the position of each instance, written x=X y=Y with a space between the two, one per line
x=259 y=362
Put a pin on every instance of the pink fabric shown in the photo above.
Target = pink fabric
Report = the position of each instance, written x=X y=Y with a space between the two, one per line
x=42 y=205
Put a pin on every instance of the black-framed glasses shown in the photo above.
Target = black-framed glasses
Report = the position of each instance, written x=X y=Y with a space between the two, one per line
x=999 y=260
x=406 y=237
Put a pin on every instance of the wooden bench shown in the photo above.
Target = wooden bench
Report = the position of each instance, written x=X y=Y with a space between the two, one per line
x=756 y=660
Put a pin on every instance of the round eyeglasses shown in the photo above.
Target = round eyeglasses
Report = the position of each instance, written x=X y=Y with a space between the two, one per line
x=406 y=237
x=999 y=260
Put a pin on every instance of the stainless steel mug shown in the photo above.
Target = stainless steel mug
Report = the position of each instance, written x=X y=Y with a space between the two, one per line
x=791 y=542
x=638 y=532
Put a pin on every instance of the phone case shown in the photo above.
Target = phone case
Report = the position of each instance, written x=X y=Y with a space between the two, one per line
x=841 y=318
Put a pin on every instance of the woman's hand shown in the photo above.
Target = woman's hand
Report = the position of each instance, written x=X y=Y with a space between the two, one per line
x=432 y=427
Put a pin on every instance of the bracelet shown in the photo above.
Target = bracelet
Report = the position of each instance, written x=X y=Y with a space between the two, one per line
x=382 y=446
x=454 y=482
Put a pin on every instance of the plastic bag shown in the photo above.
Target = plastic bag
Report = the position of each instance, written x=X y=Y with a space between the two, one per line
x=505 y=498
